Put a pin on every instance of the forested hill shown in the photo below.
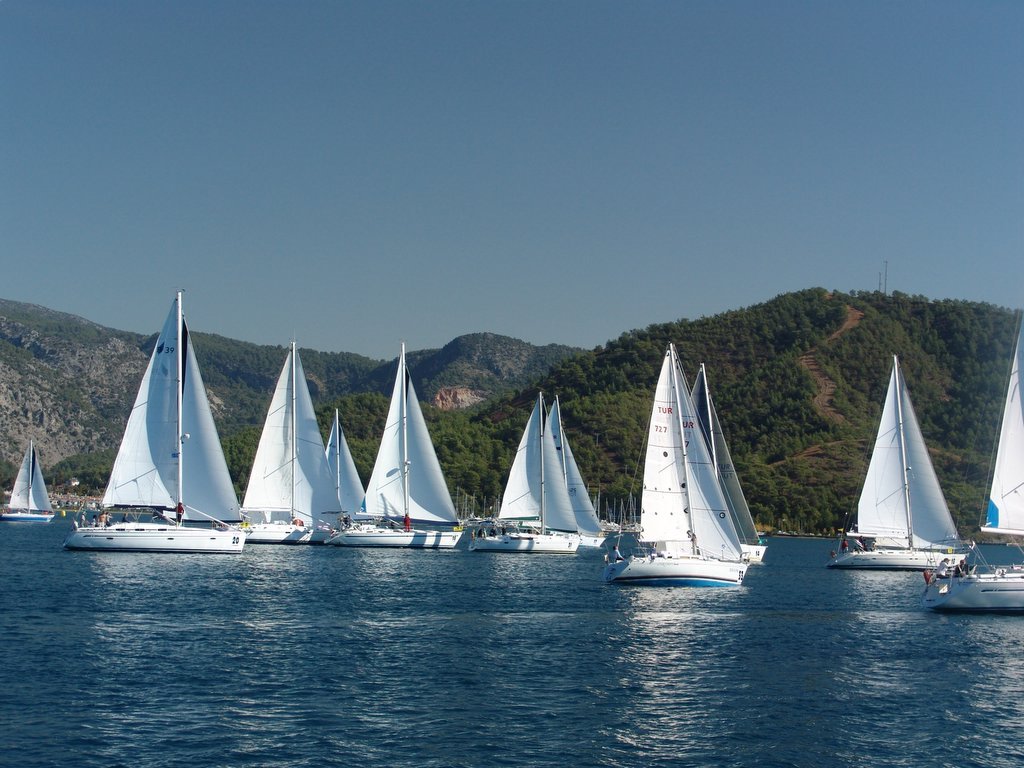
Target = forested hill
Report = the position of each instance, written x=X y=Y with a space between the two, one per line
x=69 y=383
x=799 y=383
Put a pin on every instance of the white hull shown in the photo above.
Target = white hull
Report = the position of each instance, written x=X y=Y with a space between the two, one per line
x=155 y=537
x=592 y=542
x=276 y=533
x=890 y=559
x=538 y=543
x=679 y=571
x=367 y=536
x=754 y=553
x=999 y=591
x=26 y=517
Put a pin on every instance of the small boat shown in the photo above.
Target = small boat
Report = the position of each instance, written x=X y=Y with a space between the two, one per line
x=536 y=513
x=170 y=438
x=979 y=587
x=30 y=503
x=685 y=527
x=903 y=522
x=588 y=526
x=407 y=486
x=291 y=494
x=753 y=544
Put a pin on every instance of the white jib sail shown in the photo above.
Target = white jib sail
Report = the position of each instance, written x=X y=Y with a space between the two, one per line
x=1005 y=513
x=290 y=476
x=146 y=469
x=583 y=509
x=343 y=469
x=406 y=460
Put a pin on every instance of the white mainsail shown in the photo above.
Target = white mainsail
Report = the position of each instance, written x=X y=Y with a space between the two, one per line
x=290 y=475
x=714 y=436
x=343 y=469
x=407 y=477
x=681 y=493
x=171 y=436
x=29 y=492
x=1005 y=512
x=583 y=509
x=901 y=503
x=536 y=489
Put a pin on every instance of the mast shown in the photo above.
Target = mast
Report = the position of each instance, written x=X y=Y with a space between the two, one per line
x=336 y=447
x=405 y=435
x=682 y=443
x=540 y=406
x=293 y=447
x=903 y=449
x=180 y=505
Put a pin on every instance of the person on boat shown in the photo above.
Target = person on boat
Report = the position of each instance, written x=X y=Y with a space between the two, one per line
x=844 y=546
x=617 y=556
x=943 y=570
x=180 y=512
x=407 y=523
x=693 y=540
x=861 y=545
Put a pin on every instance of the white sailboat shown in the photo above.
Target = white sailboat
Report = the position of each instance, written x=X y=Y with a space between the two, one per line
x=903 y=522
x=751 y=543
x=291 y=496
x=30 y=503
x=170 y=438
x=407 y=486
x=982 y=588
x=347 y=484
x=587 y=524
x=685 y=523
x=536 y=513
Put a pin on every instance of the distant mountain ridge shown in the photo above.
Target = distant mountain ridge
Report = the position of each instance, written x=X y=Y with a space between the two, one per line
x=69 y=383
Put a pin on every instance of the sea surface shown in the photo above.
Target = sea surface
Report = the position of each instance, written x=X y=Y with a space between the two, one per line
x=321 y=656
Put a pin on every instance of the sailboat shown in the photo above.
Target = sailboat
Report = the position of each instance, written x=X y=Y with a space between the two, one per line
x=536 y=513
x=291 y=493
x=407 y=486
x=903 y=522
x=751 y=543
x=348 y=486
x=686 y=528
x=981 y=588
x=587 y=524
x=30 y=503
x=170 y=464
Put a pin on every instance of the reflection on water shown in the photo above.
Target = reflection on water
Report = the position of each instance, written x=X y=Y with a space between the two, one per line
x=298 y=656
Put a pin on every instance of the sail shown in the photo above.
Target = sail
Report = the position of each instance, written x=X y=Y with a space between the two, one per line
x=343 y=469
x=405 y=445
x=714 y=436
x=536 y=489
x=583 y=509
x=146 y=469
x=1005 y=512
x=290 y=475
x=901 y=503
x=29 y=492
x=681 y=491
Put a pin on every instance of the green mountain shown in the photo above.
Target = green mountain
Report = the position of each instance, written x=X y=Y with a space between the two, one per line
x=798 y=381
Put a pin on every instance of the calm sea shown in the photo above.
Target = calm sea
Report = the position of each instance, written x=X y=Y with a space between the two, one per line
x=319 y=656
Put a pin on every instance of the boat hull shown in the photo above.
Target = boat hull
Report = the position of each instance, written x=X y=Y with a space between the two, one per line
x=153 y=537
x=276 y=533
x=1001 y=591
x=754 y=553
x=26 y=517
x=536 y=543
x=890 y=559
x=684 y=571
x=398 y=539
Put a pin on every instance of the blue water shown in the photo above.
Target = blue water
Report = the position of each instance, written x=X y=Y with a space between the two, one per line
x=320 y=656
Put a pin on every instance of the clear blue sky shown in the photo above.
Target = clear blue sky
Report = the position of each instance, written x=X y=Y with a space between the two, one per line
x=358 y=173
